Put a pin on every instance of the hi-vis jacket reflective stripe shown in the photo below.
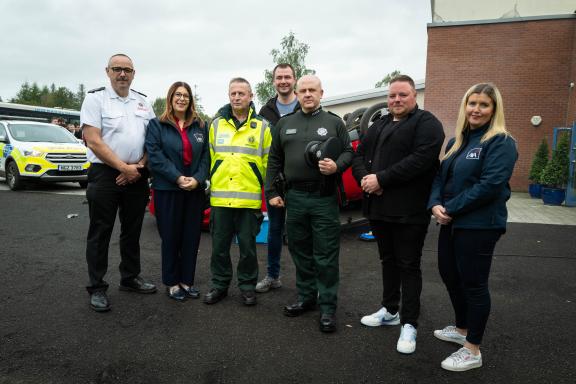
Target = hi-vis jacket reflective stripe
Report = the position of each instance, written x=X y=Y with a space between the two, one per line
x=238 y=161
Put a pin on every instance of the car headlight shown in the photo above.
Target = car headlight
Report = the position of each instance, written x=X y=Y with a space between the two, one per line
x=33 y=153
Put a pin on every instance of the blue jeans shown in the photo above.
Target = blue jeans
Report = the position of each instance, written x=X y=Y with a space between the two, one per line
x=275 y=231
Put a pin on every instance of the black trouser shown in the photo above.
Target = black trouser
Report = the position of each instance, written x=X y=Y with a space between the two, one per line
x=400 y=247
x=464 y=260
x=105 y=199
x=179 y=220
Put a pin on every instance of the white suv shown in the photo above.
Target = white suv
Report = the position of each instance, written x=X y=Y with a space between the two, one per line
x=40 y=151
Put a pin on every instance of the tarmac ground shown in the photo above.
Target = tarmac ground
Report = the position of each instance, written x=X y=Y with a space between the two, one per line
x=48 y=334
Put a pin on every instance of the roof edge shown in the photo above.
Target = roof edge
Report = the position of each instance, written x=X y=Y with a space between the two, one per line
x=364 y=95
x=500 y=21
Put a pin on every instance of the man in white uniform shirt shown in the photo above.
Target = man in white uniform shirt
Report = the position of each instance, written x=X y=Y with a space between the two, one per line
x=114 y=121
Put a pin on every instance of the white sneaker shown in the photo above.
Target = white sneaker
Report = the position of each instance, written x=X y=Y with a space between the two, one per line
x=382 y=317
x=407 y=340
x=268 y=283
x=462 y=360
x=450 y=334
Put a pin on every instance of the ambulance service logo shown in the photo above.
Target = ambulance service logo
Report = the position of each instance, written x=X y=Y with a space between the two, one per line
x=474 y=154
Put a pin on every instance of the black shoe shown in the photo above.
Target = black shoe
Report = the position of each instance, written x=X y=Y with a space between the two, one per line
x=328 y=322
x=177 y=294
x=191 y=292
x=215 y=295
x=99 y=301
x=298 y=308
x=248 y=297
x=137 y=285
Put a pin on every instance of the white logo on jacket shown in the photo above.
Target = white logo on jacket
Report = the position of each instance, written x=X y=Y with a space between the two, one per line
x=474 y=154
x=322 y=131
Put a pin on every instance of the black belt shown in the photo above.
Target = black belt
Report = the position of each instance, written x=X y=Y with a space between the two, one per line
x=305 y=186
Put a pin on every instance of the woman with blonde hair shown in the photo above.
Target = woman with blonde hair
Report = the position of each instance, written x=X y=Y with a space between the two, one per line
x=468 y=199
x=178 y=157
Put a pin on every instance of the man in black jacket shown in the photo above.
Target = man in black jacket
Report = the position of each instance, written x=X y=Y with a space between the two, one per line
x=395 y=164
x=285 y=102
x=311 y=200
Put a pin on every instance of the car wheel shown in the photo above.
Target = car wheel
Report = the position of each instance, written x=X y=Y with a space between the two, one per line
x=13 y=178
x=353 y=120
x=371 y=115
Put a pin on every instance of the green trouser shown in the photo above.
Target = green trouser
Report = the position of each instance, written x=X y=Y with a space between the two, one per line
x=224 y=224
x=313 y=228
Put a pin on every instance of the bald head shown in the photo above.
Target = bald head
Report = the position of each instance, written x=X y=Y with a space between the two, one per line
x=309 y=92
x=121 y=55
x=309 y=78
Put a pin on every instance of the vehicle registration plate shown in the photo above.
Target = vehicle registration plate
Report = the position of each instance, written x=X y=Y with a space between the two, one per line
x=69 y=167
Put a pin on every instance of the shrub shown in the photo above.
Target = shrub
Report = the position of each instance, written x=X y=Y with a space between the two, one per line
x=539 y=162
x=555 y=174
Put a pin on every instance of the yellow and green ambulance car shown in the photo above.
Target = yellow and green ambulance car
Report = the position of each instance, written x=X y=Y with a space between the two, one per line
x=32 y=151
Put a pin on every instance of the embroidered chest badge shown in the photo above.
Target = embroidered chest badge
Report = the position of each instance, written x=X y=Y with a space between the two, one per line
x=474 y=154
x=199 y=137
x=322 y=131
x=251 y=140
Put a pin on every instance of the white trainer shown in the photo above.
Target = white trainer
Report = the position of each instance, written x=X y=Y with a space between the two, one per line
x=268 y=283
x=462 y=360
x=450 y=334
x=382 y=317
x=407 y=340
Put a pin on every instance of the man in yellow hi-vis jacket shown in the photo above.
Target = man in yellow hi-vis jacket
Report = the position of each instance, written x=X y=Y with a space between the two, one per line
x=239 y=145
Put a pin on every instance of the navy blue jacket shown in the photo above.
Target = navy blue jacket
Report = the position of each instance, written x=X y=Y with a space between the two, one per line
x=165 y=159
x=480 y=188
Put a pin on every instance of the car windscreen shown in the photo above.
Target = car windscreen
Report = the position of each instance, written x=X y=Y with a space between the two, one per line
x=41 y=133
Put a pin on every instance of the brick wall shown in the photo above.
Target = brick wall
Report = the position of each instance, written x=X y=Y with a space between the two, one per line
x=531 y=62
x=572 y=104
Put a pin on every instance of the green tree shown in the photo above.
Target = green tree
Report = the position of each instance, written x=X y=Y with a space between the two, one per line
x=386 y=80
x=539 y=162
x=293 y=52
x=159 y=105
x=200 y=108
x=28 y=94
x=80 y=95
x=555 y=174
x=52 y=96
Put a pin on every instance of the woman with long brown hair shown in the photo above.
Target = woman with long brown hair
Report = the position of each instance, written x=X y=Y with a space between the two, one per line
x=178 y=157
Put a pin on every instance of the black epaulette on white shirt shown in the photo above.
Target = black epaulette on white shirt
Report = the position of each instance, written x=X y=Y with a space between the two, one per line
x=96 y=90
x=140 y=93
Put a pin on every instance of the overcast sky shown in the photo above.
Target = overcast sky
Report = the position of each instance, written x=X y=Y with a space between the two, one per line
x=353 y=43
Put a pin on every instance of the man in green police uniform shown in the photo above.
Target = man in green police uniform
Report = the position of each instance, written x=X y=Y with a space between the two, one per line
x=311 y=201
